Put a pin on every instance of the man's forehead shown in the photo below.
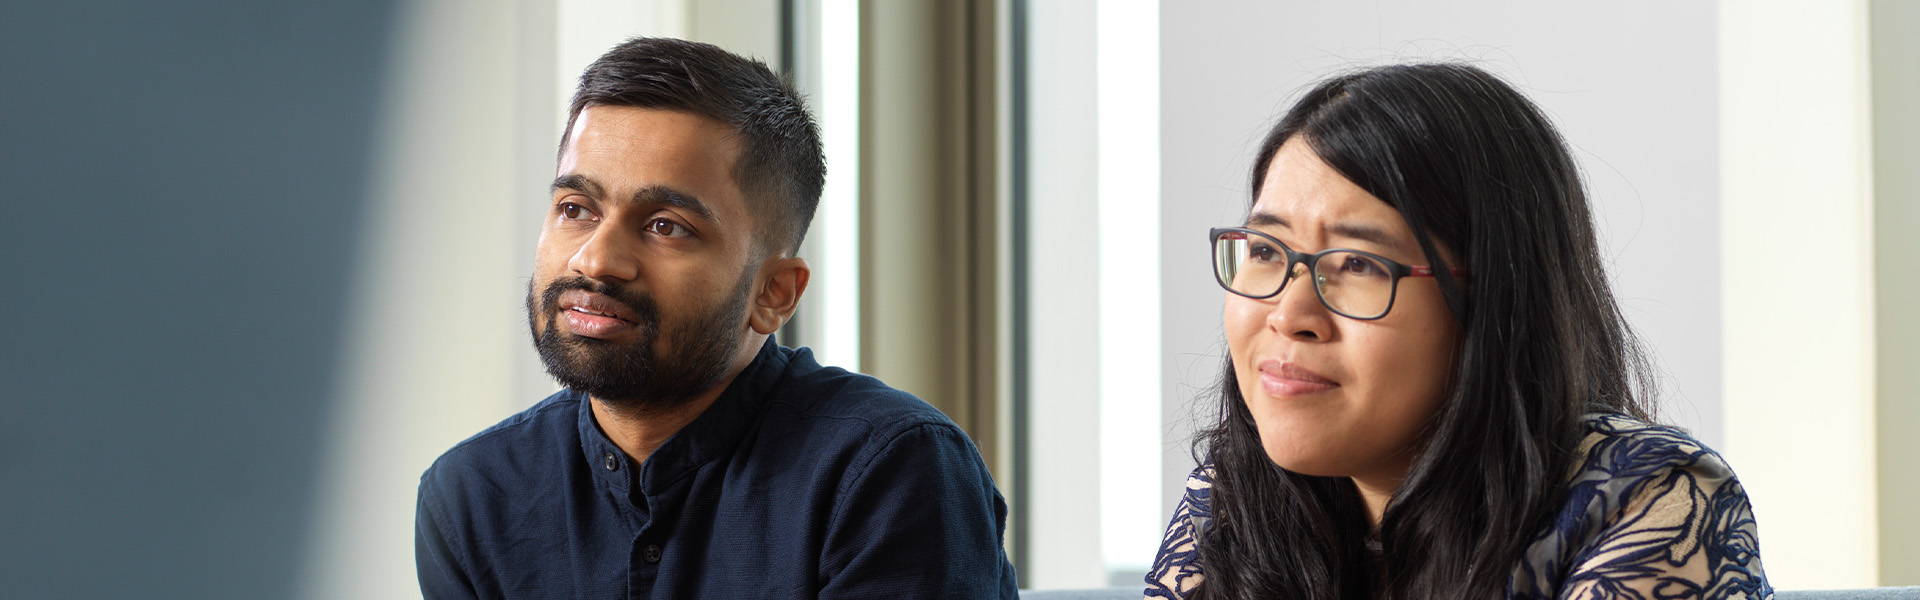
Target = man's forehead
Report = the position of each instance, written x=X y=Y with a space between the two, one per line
x=605 y=119
x=629 y=147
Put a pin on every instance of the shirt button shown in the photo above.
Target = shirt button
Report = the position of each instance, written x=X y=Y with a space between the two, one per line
x=612 y=463
x=652 y=553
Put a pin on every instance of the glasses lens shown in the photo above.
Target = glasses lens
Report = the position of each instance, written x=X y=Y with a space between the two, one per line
x=1354 y=284
x=1249 y=264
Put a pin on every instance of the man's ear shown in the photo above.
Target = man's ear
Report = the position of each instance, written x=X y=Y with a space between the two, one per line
x=782 y=281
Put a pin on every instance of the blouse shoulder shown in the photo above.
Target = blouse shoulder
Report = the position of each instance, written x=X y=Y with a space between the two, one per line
x=1176 y=567
x=1647 y=507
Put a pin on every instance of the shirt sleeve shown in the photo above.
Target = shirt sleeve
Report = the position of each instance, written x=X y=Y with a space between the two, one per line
x=439 y=569
x=920 y=519
x=1176 y=568
x=1687 y=532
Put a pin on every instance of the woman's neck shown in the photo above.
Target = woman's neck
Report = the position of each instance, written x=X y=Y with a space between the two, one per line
x=1375 y=499
x=1378 y=487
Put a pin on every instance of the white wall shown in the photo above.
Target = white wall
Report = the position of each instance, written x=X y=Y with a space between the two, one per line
x=1128 y=74
x=1063 y=507
x=1799 y=323
x=1631 y=84
x=436 y=321
x=1093 y=295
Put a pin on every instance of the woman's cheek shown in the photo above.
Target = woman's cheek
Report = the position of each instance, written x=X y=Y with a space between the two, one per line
x=1242 y=318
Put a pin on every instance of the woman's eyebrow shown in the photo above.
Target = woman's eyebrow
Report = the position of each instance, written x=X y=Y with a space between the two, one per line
x=1366 y=233
x=1358 y=231
x=1261 y=218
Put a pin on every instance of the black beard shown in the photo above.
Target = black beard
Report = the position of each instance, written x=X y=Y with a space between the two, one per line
x=631 y=377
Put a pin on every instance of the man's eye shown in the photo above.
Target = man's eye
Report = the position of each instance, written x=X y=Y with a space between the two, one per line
x=574 y=212
x=666 y=228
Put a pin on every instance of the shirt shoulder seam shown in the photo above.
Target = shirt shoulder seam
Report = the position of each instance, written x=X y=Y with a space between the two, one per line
x=873 y=452
x=516 y=421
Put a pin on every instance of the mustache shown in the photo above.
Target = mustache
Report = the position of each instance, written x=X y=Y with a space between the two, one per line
x=640 y=303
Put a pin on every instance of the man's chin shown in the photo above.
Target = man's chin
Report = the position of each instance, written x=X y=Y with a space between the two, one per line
x=609 y=388
x=592 y=346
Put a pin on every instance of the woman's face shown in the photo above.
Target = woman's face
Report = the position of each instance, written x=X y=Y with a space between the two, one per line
x=1334 y=396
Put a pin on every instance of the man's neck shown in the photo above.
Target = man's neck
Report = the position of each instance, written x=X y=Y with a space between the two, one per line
x=640 y=434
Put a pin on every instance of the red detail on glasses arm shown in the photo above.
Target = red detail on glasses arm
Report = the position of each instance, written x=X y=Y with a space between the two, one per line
x=1428 y=272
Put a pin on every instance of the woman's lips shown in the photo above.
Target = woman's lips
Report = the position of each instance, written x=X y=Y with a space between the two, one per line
x=1288 y=379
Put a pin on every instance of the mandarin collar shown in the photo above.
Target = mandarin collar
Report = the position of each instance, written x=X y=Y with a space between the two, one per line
x=711 y=435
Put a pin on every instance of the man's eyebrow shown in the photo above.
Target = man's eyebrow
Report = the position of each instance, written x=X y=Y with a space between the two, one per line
x=657 y=194
x=575 y=181
x=1358 y=231
x=660 y=194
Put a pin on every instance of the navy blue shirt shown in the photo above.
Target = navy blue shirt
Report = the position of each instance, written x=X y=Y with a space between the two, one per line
x=800 y=481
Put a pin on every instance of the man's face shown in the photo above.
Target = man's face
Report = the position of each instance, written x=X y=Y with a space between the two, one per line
x=641 y=279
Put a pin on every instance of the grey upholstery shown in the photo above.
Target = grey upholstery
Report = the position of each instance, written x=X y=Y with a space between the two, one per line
x=1885 y=593
x=1134 y=593
x=1130 y=593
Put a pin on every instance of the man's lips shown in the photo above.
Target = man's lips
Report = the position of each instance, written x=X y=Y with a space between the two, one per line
x=1285 y=379
x=595 y=315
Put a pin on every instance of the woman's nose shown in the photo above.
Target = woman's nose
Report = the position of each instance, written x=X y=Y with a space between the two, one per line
x=1297 y=311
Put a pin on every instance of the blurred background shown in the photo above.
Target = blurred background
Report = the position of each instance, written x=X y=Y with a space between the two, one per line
x=261 y=262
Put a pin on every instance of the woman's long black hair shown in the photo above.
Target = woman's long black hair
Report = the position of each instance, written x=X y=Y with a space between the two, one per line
x=1476 y=167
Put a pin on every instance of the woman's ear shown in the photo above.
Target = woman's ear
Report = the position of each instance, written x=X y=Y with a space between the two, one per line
x=782 y=281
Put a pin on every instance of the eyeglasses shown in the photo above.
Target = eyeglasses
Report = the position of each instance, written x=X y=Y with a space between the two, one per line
x=1354 y=284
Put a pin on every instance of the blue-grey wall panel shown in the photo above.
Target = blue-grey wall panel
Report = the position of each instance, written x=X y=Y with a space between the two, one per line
x=183 y=185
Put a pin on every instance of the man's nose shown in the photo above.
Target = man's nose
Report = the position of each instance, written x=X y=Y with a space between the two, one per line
x=608 y=255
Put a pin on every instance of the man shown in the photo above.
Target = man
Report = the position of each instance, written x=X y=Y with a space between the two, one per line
x=689 y=455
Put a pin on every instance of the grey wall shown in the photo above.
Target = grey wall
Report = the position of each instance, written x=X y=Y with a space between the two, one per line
x=1631 y=84
x=1896 y=151
x=183 y=187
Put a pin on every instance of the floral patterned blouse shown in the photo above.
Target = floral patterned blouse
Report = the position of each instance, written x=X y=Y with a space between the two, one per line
x=1650 y=513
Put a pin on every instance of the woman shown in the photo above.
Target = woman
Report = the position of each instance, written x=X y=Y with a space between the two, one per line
x=1430 y=392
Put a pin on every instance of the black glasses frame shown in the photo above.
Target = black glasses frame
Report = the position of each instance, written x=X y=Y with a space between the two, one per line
x=1312 y=261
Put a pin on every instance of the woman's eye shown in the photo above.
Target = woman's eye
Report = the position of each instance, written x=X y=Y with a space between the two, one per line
x=574 y=212
x=666 y=228
x=1265 y=253
x=1359 y=265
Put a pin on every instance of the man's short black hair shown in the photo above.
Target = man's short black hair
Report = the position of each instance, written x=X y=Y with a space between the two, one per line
x=781 y=166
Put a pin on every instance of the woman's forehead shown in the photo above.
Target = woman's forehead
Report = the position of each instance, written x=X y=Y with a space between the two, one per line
x=1301 y=193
